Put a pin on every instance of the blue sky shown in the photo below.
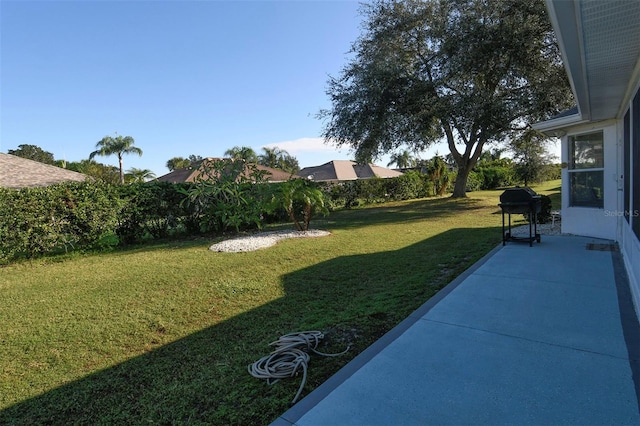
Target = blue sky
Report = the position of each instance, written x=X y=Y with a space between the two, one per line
x=180 y=77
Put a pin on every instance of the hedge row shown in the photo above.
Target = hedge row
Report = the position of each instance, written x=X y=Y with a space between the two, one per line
x=99 y=216
x=85 y=216
x=353 y=193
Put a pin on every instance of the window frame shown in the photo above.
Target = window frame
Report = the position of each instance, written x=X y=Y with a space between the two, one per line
x=597 y=203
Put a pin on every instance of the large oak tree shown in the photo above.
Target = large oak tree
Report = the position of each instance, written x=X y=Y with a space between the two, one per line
x=471 y=72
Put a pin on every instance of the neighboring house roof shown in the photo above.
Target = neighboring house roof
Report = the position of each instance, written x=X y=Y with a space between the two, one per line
x=600 y=46
x=337 y=170
x=198 y=170
x=17 y=172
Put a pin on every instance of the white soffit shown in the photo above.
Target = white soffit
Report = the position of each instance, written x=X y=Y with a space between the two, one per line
x=600 y=43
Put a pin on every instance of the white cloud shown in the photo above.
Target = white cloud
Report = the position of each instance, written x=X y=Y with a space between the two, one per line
x=314 y=151
x=305 y=145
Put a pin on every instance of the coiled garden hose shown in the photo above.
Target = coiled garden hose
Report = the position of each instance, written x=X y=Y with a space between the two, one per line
x=290 y=355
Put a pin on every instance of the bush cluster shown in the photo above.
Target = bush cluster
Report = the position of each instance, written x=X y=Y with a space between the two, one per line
x=545 y=210
x=100 y=216
x=354 y=193
x=501 y=173
x=35 y=221
x=491 y=176
x=153 y=210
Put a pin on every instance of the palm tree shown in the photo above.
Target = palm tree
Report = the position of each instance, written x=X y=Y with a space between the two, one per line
x=439 y=174
x=402 y=160
x=271 y=156
x=279 y=159
x=119 y=145
x=289 y=163
x=244 y=153
x=140 y=175
x=176 y=163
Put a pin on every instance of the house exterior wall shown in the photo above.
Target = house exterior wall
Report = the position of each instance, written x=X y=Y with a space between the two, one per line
x=603 y=66
x=610 y=221
x=628 y=238
x=630 y=248
x=590 y=221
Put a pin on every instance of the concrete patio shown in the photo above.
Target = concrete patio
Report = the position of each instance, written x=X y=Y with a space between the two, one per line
x=540 y=335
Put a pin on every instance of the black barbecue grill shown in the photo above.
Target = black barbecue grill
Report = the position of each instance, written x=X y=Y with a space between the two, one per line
x=521 y=201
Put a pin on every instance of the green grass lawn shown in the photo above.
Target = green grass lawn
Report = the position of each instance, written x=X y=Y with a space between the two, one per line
x=164 y=333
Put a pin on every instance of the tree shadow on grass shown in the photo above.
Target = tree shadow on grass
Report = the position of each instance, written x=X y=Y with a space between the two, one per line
x=202 y=378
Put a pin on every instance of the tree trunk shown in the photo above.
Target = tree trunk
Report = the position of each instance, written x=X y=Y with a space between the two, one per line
x=121 y=171
x=460 y=188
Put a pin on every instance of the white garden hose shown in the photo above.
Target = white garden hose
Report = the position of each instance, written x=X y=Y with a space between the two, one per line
x=291 y=354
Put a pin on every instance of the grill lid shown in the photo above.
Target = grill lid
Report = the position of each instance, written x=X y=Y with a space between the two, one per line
x=518 y=195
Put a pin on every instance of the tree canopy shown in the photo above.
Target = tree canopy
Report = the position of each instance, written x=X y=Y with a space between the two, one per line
x=119 y=146
x=176 y=163
x=33 y=152
x=530 y=156
x=96 y=170
x=471 y=72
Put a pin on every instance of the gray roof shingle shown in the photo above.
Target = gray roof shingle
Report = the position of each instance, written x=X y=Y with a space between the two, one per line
x=346 y=170
x=17 y=172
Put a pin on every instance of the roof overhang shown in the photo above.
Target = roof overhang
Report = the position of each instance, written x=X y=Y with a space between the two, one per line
x=600 y=46
x=555 y=126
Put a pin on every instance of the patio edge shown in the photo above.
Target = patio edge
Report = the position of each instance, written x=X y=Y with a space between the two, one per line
x=291 y=416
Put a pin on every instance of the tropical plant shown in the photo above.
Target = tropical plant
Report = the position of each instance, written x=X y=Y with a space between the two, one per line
x=228 y=194
x=402 y=159
x=270 y=156
x=471 y=72
x=301 y=199
x=177 y=163
x=118 y=146
x=279 y=159
x=438 y=172
x=244 y=153
x=135 y=175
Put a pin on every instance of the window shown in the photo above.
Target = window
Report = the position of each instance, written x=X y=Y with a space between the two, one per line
x=626 y=194
x=586 y=170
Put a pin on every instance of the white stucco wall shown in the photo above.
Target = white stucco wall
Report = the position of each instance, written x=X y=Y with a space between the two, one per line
x=588 y=221
x=630 y=248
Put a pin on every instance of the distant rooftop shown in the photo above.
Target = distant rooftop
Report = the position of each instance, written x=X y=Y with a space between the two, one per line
x=17 y=172
x=196 y=170
x=338 y=170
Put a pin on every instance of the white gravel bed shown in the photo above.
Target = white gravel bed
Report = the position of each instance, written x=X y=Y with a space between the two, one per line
x=543 y=229
x=263 y=240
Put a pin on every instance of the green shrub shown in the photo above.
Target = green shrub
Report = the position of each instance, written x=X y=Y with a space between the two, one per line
x=353 y=193
x=154 y=209
x=301 y=200
x=474 y=181
x=496 y=176
x=229 y=195
x=545 y=210
x=63 y=217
